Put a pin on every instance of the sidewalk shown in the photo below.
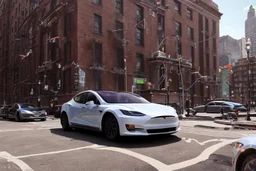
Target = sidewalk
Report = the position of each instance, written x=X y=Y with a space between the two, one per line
x=213 y=116
x=204 y=124
x=241 y=123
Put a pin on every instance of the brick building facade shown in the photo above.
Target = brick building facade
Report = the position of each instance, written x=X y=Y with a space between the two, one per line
x=239 y=81
x=64 y=46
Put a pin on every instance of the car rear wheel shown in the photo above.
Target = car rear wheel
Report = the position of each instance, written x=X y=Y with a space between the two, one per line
x=44 y=119
x=249 y=163
x=111 y=128
x=64 y=122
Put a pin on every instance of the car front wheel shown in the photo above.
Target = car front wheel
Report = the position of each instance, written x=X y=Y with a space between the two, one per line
x=250 y=163
x=111 y=128
x=64 y=122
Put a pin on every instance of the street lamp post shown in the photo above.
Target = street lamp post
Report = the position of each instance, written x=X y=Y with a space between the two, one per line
x=248 y=46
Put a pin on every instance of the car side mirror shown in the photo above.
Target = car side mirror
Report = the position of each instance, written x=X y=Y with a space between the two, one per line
x=90 y=103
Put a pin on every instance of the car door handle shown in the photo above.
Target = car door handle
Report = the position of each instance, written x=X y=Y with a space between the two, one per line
x=69 y=105
x=83 y=107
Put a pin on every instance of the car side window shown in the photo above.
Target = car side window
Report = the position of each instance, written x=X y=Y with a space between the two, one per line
x=210 y=104
x=92 y=97
x=218 y=103
x=80 y=98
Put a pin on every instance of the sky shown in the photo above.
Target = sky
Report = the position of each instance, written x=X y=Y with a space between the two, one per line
x=234 y=16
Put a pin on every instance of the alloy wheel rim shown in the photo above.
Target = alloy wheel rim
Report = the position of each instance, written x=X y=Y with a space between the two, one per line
x=250 y=166
x=111 y=128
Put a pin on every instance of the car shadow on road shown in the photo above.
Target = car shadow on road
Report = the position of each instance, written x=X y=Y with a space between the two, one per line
x=123 y=142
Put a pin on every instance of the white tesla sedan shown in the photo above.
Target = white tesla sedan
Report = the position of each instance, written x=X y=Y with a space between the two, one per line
x=118 y=114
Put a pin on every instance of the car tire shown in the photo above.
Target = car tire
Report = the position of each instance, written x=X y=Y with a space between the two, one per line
x=249 y=163
x=64 y=122
x=111 y=128
x=44 y=119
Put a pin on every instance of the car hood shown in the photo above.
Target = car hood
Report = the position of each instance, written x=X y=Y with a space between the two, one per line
x=149 y=109
x=250 y=140
x=199 y=106
x=31 y=109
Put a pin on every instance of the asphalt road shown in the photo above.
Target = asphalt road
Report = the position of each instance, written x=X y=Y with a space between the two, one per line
x=43 y=146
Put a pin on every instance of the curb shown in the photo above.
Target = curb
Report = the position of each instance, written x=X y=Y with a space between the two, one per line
x=212 y=127
x=197 y=118
x=237 y=125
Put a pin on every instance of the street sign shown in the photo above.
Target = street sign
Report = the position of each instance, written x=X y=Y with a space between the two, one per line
x=140 y=80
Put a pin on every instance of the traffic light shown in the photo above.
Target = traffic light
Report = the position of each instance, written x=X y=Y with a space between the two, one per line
x=76 y=79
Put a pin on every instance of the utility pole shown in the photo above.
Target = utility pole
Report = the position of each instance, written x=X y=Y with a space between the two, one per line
x=248 y=45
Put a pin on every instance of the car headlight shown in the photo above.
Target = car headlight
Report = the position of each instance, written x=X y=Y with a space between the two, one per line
x=238 y=145
x=26 y=112
x=44 y=112
x=132 y=113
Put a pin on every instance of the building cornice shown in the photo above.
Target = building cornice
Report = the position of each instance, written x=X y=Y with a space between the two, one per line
x=201 y=6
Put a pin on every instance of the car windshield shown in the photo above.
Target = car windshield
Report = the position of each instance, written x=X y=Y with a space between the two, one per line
x=30 y=106
x=116 y=97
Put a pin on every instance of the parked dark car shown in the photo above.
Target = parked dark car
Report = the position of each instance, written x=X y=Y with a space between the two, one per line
x=24 y=111
x=3 y=110
x=219 y=107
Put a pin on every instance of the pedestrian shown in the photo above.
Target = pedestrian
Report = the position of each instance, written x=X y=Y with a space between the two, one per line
x=187 y=106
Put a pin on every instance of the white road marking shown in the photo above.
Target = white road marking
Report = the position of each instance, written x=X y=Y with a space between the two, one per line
x=189 y=140
x=57 y=152
x=22 y=165
x=14 y=130
x=27 y=129
x=202 y=157
x=153 y=162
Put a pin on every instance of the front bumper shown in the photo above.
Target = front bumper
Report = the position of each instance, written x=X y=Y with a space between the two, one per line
x=145 y=126
x=31 y=116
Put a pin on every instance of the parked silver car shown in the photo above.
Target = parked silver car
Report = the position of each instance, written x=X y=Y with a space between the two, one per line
x=245 y=154
x=23 y=111
x=219 y=107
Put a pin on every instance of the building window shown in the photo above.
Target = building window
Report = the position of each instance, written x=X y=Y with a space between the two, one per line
x=97 y=24
x=178 y=29
x=67 y=24
x=192 y=51
x=119 y=28
x=160 y=22
x=207 y=64
x=139 y=36
x=120 y=82
x=119 y=6
x=177 y=6
x=191 y=33
x=139 y=63
x=189 y=14
x=214 y=63
x=120 y=58
x=54 y=4
x=214 y=28
x=67 y=81
x=97 y=54
x=178 y=49
x=67 y=50
x=139 y=13
x=206 y=25
x=214 y=45
x=97 y=2
x=97 y=80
